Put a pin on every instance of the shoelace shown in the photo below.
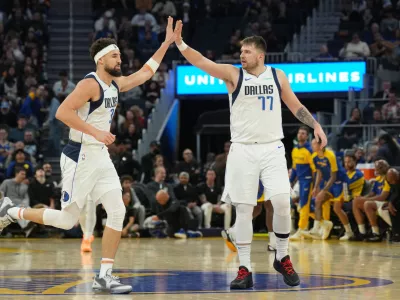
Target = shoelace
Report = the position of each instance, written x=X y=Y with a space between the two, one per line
x=242 y=273
x=112 y=277
x=287 y=265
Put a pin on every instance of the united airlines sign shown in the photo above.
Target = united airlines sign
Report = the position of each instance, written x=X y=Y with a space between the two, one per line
x=303 y=77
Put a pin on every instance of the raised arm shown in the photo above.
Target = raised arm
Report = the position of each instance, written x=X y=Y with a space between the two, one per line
x=225 y=72
x=127 y=83
x=86 y=90
x=298 y=109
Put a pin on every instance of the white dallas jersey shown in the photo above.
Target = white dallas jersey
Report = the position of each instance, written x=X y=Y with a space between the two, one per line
x=98 y=113
x=255 y=108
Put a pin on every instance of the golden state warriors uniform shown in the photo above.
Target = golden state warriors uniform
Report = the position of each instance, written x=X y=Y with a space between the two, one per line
x=260 y=193
x=256 y=132
x=86 y=167
x=355 y=183
x=380 y=185
x=326 y=164
x=302 y=169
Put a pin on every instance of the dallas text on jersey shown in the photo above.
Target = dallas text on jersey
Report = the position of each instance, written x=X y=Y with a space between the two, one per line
x=259 y=90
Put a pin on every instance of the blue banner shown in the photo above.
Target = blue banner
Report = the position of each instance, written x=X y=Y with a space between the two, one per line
x=303 y=77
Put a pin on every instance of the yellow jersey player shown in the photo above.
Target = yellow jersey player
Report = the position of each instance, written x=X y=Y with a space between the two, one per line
x=303 y=172
x=378 y=195
x=328 y=187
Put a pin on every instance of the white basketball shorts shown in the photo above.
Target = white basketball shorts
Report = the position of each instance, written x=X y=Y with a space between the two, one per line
x=247 y=163
x=87 y=170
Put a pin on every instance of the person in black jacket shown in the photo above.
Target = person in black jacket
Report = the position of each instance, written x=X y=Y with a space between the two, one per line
x=388 y=150
x=41 y=191
x=188 y=196
x=393 y=178
x=177 y=217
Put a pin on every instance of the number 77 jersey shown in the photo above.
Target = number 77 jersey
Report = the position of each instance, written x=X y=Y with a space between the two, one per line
x=255 y=106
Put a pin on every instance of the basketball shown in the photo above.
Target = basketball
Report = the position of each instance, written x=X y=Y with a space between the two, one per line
x=162 y=197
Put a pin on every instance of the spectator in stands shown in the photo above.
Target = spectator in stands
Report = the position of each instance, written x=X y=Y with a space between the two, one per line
x=107 y=22
x=138 y=115
x=132 y=135
x=159 y=184
x=164 y=8
x=11 y=85
x=388 y=150
x=41 y=191
x=148 y=160
x=32 y=106
x=147 y=46
x=372 y=152
x=232 y=50
x=370 y=34
x=140 y=19
x=324 y=53
x=17 y=134
x=7 y=116
x=220 y=164
x=152 y=94
x=391 y=110
x=55 y=126
x=355 y=48
x=209 y=164
x=359 y=155
x=6 y=146
x=19 y=160
x=381 y=47
x=161 y=76
x=31 y=146
x=48 y=170
x=16 y=188
x=63 y=87
x=210 y=197
x=125 y=31
x=190 y=166
x=377 y=117
x=389 y=23
x=106 y=32
x=129 y=227
x=140 y=212
x=187 y=195
x=351 y=135
x=380 y=192
x=124 y=161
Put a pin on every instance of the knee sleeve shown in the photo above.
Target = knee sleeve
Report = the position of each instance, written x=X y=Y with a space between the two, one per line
x=244 y=223
x=63 y=219
x=281 y=220
x=115 y=209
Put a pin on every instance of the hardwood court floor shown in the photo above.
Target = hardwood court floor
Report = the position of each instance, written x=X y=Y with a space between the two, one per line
x=198 y=269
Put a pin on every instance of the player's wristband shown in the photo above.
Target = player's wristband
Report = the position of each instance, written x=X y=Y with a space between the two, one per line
x=153 y=65
x=182 y=46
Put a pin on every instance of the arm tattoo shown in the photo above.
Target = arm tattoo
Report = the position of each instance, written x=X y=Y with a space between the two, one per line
x=305 y=117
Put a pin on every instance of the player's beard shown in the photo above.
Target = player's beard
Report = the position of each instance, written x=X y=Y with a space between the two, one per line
x=113 y=72
x=250 y=66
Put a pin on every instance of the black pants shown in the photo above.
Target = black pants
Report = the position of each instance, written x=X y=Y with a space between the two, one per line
x=179 y=219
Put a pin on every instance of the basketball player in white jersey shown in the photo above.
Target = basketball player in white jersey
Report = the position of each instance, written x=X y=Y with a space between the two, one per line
x=85 y=162
x=255 y=93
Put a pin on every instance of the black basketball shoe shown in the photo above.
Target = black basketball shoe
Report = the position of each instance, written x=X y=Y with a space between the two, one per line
x=243 y=280
x=285 y=267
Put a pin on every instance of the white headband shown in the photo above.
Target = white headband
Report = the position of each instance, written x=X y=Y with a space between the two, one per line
x=105 y=51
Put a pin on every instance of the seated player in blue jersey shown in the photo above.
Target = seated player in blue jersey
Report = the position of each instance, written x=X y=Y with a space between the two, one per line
x=328 y=187
x=374 y=201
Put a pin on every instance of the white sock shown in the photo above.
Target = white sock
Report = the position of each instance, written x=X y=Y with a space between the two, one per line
x=272 y=238
x=375 y=229
x=106 y=264
x=361 y=229
x=244 y=255
x=317 y=225
x=16 y=213
x=282 y=245
x=347 y=227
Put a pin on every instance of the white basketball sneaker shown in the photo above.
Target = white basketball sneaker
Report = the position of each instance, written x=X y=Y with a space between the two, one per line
x=347 y=236
x=297 y=236
x=110 y=283
x=229 y=238
x=326 y=229
x=5 y=218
